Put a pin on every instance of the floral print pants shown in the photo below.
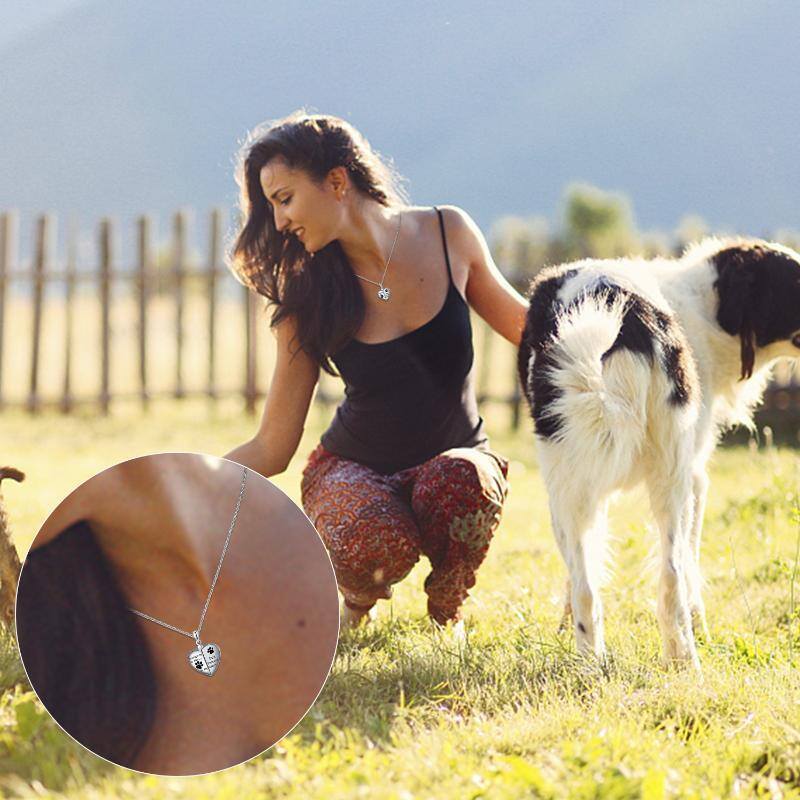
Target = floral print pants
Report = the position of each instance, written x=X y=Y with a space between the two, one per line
x=376 y=526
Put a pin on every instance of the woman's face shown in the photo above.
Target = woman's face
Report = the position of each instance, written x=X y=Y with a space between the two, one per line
x=311 y=211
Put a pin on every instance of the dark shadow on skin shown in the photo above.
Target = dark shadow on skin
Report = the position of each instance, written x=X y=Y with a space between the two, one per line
x=81 y=647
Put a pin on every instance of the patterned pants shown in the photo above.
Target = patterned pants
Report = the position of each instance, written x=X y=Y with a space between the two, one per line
x=376 y=526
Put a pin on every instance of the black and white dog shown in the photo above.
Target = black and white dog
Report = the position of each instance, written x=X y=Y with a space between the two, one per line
x=632 y=367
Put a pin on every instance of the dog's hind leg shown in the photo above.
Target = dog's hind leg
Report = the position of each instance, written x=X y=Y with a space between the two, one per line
x=672 y=502
x=580 y=531
x=700 y=484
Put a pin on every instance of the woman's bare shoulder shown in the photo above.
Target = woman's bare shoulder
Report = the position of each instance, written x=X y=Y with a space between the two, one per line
x=458 y=221
x=458 y=224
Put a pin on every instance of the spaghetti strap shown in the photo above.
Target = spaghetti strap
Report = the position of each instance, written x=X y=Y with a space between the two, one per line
x=444 y=243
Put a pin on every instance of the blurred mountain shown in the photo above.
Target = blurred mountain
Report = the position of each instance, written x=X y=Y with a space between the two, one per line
x=121 y=107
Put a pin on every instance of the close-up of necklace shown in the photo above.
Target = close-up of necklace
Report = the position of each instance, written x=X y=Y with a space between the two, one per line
x=383 y=291
x=205 y=657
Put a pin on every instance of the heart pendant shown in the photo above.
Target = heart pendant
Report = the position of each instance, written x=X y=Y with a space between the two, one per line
x=205 y=659
x=383 y=293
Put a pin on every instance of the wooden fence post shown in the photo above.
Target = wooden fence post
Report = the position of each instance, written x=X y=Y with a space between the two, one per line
x=106 y=268
x=143 y=269
x=44 y=225
x=179 y=271
x=8 y=260
x=69 y=299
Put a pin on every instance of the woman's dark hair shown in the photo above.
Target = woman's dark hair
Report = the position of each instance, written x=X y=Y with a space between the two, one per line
x=81 y=647
x=320 y=291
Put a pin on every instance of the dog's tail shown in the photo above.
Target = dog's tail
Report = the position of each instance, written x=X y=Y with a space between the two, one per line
x=601 y=394
x=12 y=473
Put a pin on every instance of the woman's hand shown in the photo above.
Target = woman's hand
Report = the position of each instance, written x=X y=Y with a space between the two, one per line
x=290 y=391
x=488 y=292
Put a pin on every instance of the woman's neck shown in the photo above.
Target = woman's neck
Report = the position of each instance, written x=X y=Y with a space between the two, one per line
x=367 y=236
x=164 y=519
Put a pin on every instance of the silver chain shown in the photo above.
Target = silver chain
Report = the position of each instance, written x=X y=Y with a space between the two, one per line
x=195 y=634
x=391 y=253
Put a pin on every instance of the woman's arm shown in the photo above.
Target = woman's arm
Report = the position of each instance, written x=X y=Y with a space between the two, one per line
x=488 y=292
x=290 y=391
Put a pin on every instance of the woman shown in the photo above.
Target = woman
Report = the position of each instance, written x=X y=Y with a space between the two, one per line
x=366 y=285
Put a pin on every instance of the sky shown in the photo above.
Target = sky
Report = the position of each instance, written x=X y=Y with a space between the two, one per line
x=18 y=19
x=119 y=107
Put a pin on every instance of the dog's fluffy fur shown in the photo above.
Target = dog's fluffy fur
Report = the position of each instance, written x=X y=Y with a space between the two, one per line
x=632 y=368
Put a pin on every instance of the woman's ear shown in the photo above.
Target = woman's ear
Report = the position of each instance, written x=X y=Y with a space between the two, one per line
x=338 y=181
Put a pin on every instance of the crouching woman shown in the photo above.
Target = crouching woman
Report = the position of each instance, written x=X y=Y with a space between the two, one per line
x=364 y=285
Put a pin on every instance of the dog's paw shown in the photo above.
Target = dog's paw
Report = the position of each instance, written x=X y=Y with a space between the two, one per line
x=700 y=626
x=679 y=656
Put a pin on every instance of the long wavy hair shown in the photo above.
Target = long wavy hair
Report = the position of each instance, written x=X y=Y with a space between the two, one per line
x=320 y=291
x=82 y=649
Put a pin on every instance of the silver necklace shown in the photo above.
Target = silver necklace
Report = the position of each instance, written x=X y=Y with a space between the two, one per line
x=383 y=291
x=205 y=657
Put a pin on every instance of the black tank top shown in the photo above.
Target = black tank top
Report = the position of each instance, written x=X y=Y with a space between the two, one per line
x=410 y=398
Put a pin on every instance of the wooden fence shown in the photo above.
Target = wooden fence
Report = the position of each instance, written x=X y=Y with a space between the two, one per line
x=182 y=283
x=139 y=283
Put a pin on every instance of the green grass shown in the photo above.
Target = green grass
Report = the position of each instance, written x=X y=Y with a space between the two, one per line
x=511 y=712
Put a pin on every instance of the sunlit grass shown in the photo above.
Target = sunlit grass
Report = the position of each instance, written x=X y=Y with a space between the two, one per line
x=511 y=711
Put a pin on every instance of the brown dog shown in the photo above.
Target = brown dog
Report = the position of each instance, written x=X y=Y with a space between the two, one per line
x=9 y=559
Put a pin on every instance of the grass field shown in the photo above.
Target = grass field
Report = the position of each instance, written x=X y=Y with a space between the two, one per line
x=511 y=712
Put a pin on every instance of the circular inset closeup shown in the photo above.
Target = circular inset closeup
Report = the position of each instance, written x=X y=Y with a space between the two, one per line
x=177 y=614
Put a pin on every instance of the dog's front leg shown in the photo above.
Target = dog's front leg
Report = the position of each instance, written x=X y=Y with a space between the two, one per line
x=566 y=614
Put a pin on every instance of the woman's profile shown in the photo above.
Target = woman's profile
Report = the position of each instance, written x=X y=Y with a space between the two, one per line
x=379 y=291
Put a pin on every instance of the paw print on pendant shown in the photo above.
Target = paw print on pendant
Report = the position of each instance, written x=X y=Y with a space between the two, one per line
x=383 y=293
x=205 y=659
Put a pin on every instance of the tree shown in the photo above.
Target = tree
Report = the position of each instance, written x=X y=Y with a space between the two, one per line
x=597 y=223
x=520 y=246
